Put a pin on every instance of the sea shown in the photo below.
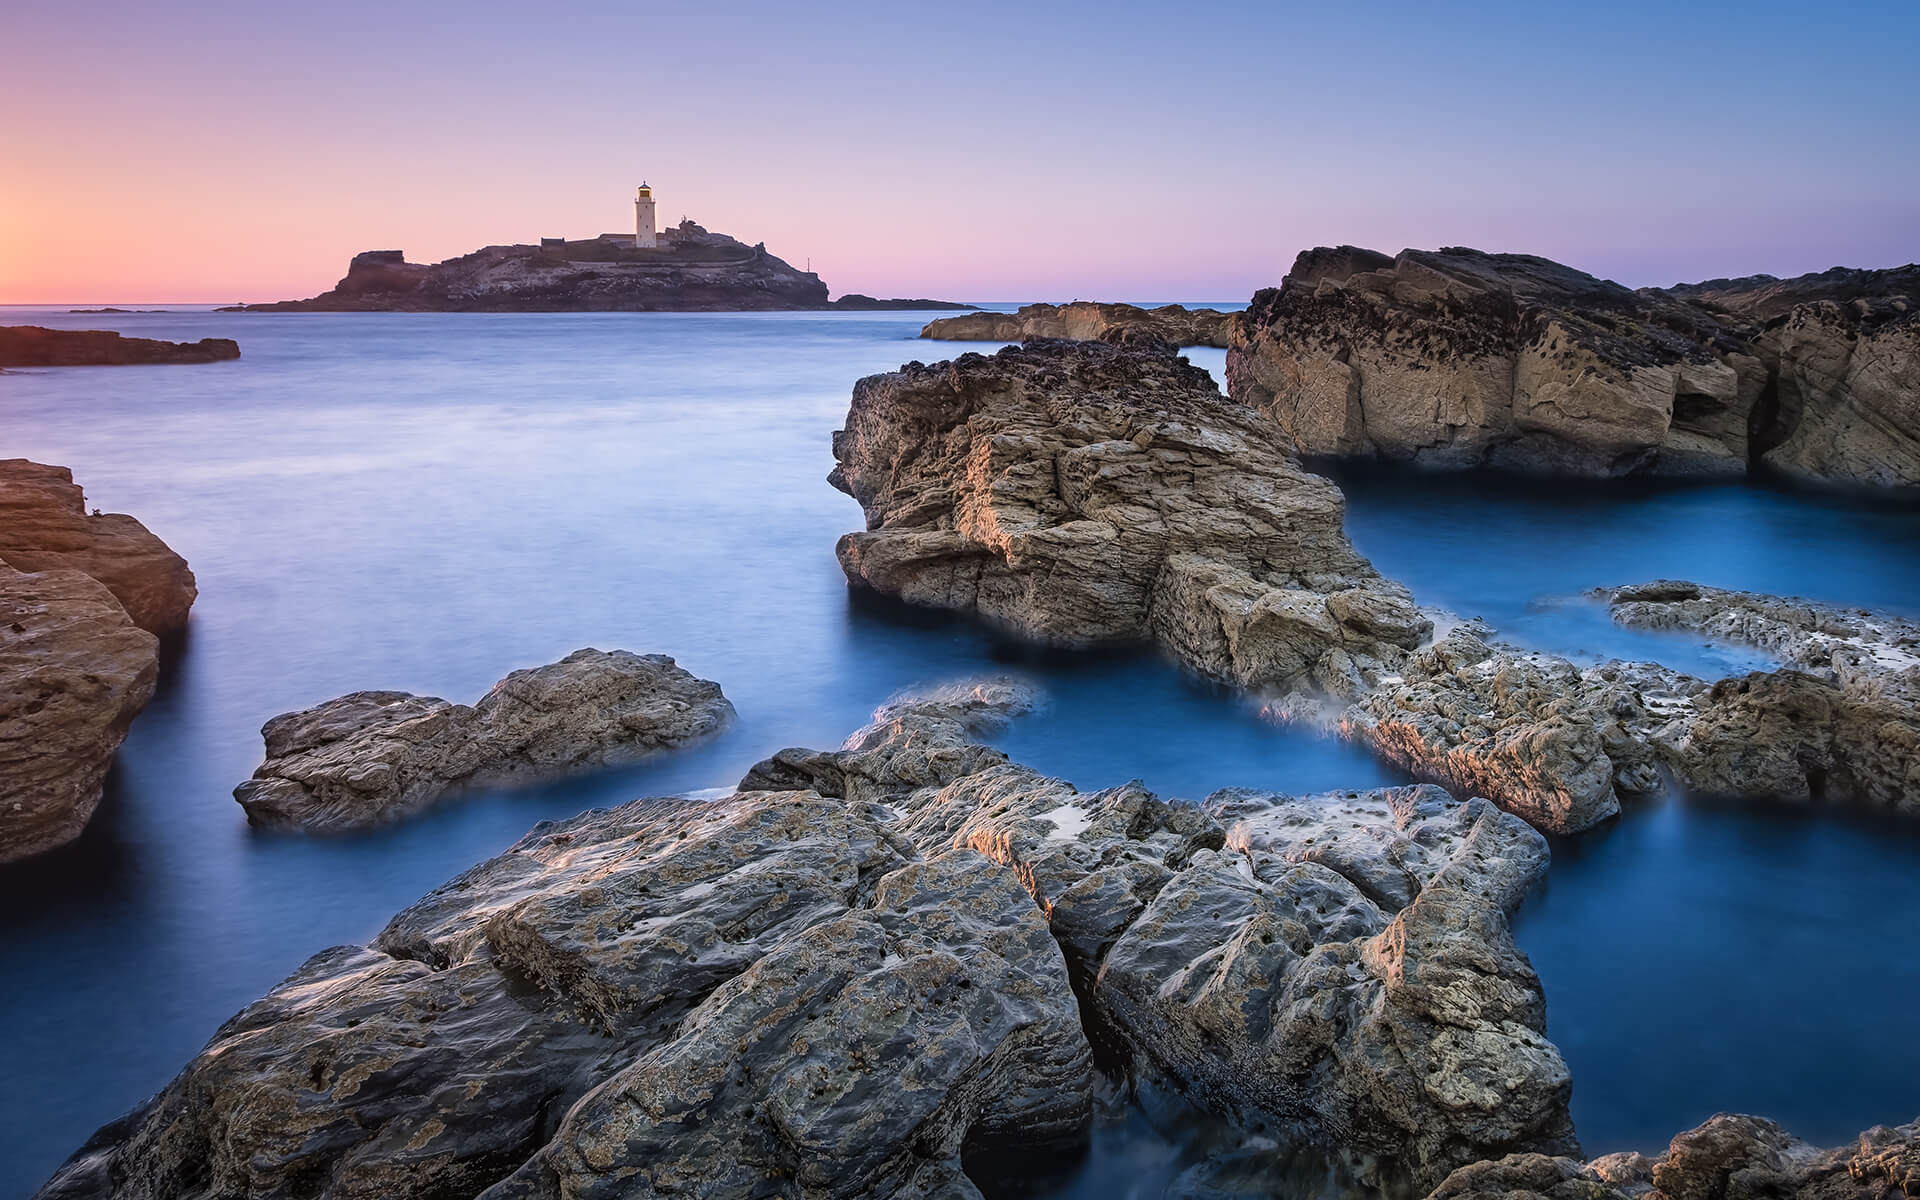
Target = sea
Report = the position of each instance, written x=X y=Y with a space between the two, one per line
x=427 y=502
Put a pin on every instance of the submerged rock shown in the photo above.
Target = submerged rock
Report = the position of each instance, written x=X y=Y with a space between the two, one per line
x=1081 y=492
x=1730 y=1157
x=37 y=346
x=74 y=672
x=371 y=757
x=1087 y=321
x=1457 y=358
x=867 y=962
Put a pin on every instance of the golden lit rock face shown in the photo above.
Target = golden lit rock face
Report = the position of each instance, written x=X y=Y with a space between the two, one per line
x=44 y=526
x=1080 y=492
x=74 y=672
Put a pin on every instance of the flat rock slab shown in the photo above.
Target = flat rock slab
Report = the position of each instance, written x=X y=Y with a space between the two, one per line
x=38 y=346
x=369 y=758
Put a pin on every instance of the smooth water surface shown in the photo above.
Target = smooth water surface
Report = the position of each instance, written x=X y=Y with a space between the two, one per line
x=428 y=502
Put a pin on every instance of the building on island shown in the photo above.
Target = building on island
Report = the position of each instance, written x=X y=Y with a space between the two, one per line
x=643 y=235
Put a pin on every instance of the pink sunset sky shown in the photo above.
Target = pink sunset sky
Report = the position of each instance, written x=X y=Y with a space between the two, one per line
x=217 y=152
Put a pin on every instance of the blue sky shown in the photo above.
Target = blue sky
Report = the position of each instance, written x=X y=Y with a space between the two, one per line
x=982 y=150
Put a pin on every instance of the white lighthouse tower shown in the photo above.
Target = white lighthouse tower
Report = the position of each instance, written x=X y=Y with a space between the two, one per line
x=643 y=235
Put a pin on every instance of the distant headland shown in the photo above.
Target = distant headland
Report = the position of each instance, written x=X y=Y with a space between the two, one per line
x=682 y=269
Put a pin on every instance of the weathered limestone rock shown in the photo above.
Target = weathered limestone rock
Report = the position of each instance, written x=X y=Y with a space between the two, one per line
x=1080 y=492
x=1339 y=965
x=1554 y=742
x=1087 y=321
x=37 y=346
x=1730 y=1157
x=371 y=757
x=1842 y=723
x=1455 y=358
x=863 y=962
x=44 y=526
x=74 y=672
x=1843 y=349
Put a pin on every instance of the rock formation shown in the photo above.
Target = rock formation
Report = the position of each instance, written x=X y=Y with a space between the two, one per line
x=1543 y=737
x=36 y=346
x=1843 y=348
x=692 y=271
x=855 y=302
x=368 y=758
x=1086 y=321
x=1454 y=358
x=1730 y=1157
x=74 y=672
x=864 y=962
x=44 y=526
x=1080 y=492
x=1840 y=723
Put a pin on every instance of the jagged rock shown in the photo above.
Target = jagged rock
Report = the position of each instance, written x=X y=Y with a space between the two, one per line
x=1455 y=358
x=1087 y=321
x=1552 y=741
x=1841 y=724
x=37 y=346
x=1730 y=1157
x=74 y=672
x=1081 y=492
x=371 y=757
x=693 y=270
x=831 y=988
x=1339 y=963
x=1843 y=349
x=44 y=526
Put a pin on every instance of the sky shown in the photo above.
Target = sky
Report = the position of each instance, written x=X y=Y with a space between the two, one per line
x=220 y=151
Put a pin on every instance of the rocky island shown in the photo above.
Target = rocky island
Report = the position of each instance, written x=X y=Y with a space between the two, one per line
x=1455 y=358
x=689 y=270
x=38 y=346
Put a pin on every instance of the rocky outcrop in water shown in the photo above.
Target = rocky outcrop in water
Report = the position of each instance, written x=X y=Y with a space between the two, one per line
x=44 y=526
x=1841 y=723
x=856 y=302
x=692 y=271
x=1730 y=1157
x=1086 y=321
x=368 y=758
x=37 y=346
x=1553 y=741
x=867 y=961
x=1843 y=347
x=1080 y=492
x=74 y=672
x=1454 y=358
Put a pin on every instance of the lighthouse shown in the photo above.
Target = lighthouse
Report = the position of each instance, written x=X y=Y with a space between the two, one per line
x=643 y=236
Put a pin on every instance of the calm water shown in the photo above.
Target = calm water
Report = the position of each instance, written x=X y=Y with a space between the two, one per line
x=428 y=502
